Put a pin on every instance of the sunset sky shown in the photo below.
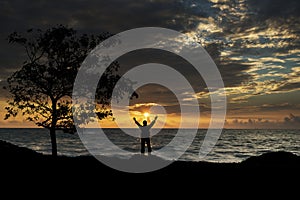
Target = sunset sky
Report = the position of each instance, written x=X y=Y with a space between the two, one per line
x=255 y=44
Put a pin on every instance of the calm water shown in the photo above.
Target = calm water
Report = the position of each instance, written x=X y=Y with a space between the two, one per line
x=232 y=146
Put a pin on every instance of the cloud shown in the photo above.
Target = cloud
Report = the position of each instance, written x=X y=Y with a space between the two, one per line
x=202 y=17
x=292 y=119
x=275 y=8
x=289 y=122
x=270 y=108
x=254 y=43
x=91 y=16
x=113 y=16
x=250 y=123
x=256 y=33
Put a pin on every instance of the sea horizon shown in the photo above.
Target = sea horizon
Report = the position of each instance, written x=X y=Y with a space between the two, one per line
x=164 y=128
x=234 y=145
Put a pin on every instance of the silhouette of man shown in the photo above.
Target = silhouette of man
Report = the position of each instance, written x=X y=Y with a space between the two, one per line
x=145 y=134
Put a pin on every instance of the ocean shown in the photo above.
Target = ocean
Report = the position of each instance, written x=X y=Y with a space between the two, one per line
x=232 y=146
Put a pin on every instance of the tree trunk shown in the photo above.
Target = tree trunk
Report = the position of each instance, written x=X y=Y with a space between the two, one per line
x=53 y=141
x=53 y=128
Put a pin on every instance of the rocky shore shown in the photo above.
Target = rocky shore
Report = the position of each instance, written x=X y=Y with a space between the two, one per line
x=23 y=164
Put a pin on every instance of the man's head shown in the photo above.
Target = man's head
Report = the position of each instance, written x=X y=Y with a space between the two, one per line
x=145 y=123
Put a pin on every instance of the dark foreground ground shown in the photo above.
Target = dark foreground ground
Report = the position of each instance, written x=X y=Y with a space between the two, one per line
x=23 y=167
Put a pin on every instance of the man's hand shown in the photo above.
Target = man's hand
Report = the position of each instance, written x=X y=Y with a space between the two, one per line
x=155 y=117
x=134 y=119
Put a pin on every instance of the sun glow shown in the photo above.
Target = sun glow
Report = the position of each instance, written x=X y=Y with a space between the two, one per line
x=146 y=114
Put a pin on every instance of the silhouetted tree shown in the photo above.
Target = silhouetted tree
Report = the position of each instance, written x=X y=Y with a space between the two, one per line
x=41 y=90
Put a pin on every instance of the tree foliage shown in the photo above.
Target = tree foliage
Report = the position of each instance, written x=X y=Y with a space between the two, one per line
x=41 y=90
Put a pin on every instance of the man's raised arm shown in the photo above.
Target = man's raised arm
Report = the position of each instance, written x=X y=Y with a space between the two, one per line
x=136 y=122
x=152 y=123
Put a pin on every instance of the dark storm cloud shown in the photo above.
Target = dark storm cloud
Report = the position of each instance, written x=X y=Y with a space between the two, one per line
x=232 y=72
x=275 y=8
x=91 y=16
x=113 y=16
x=288 y=86
x=153 y=93
x=95 y=16
x=139 y=57
x=233 y=75
x=276 y=108
x=238 y=16
x=281 y=15
x=159 y=95
x=175 y=109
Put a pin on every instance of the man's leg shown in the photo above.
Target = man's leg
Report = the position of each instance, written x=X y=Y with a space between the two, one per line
x=143 y=145
x=148 y=145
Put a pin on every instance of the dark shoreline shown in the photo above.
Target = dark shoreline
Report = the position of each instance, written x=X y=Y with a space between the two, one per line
x=24 y=164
